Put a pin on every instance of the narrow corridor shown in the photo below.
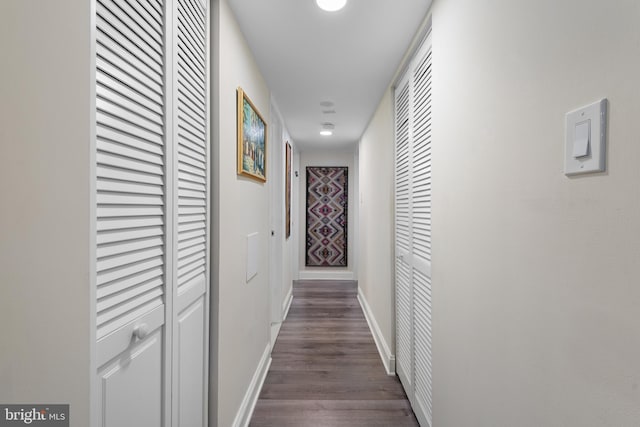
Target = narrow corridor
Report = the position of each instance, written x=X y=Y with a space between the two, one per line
x=326 y=370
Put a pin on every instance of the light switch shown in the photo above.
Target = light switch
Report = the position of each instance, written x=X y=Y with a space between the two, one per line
x=581 y=139
x=585 y=138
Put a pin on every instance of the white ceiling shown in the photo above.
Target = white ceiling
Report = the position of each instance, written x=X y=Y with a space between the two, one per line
x=309 y=56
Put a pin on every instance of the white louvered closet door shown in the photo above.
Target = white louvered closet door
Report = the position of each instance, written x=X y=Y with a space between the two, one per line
x=151 y=213
x=190 y=215
x=403 y=269
x=421 y=233
x=413 y=232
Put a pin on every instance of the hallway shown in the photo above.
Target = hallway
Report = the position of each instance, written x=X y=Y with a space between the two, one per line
x=326 y=370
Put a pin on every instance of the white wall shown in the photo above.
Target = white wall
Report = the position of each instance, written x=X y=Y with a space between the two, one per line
x=376 y=216
x=536 y=287
x=45 y=146
x=327 y=158
x=240 y=309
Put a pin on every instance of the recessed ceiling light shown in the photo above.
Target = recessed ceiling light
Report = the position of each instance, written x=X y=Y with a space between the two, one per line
x=327 y=129
x=331 y=5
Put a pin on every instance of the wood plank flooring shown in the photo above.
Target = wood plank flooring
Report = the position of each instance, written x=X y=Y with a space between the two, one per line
x=326 y=370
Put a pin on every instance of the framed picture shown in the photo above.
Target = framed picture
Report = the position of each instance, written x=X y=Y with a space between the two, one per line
x=252 y=140
x=287 y=190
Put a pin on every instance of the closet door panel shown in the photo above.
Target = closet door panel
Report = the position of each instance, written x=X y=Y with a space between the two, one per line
x=421 y=232
x=131 y=223
x=413 y=124
x=190 y=363
x=130 y=169
x=191 y=202
x=131 y=388
x=403 y=267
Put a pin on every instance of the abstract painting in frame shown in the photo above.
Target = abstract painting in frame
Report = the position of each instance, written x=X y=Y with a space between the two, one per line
x=287 y=190
x=327 y=203
x=252 y=139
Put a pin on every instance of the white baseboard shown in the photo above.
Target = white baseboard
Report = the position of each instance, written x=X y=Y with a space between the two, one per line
x=388 y=359
x=275 y=327
x=243 y=417
x=327 y=275
x=286 y=305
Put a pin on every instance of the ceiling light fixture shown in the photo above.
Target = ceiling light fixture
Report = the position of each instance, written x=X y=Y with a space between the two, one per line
x=331 y=5
x=327 y=129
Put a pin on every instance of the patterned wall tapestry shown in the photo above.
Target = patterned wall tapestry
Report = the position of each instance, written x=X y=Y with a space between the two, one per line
x=327 y=196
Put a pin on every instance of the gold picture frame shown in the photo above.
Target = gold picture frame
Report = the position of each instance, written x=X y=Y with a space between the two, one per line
x=251 y=139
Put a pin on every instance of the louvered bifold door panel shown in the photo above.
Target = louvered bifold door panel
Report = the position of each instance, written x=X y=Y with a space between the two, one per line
x=190 y=163
x=191 y=147
x=130 y=130
x=421 y=168
x=421 y=233
x=422 y=346
x=402 y=234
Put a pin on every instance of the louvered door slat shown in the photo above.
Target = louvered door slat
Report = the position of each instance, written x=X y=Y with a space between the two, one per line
x=193 y=15
x=420 y=136
x=195 y=10
x=130 y=163
x=190 y=34
x=189 y=134
x=403 y=322
x=191 y=152
x=113 y=95
x=111 y=70
x=422 y=340
x=108 y=39
x=143 y=76
x=191 y=84
x=106 y=81
x=144 y=280
x=421 y=167
x=191 y=58
x=402 y=235
x=118 y=22
x=193 y=108
x=192 y=149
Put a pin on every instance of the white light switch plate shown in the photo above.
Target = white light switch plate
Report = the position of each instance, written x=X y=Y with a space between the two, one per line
x=595 y=115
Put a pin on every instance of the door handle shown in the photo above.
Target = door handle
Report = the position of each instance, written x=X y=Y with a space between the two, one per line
x=141 y=331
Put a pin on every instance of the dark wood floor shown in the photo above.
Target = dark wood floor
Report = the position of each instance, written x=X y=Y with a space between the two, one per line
x=326 y=370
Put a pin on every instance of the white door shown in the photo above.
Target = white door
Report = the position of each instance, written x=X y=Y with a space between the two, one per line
x=190 y=311
x=421 y=232
x=413 y=100
x=131 y=213
x=152 y=200
x=403 y=247
x=276 y=219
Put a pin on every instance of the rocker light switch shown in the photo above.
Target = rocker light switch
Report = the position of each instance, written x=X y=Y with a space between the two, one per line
x=581 y=139
x=585 y=139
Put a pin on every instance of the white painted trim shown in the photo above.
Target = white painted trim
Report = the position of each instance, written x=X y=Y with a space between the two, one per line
x=276 y=326
x=286 y=305
x=388 y=359
x=326 y=275
x=243 y=417
x=418 y=40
